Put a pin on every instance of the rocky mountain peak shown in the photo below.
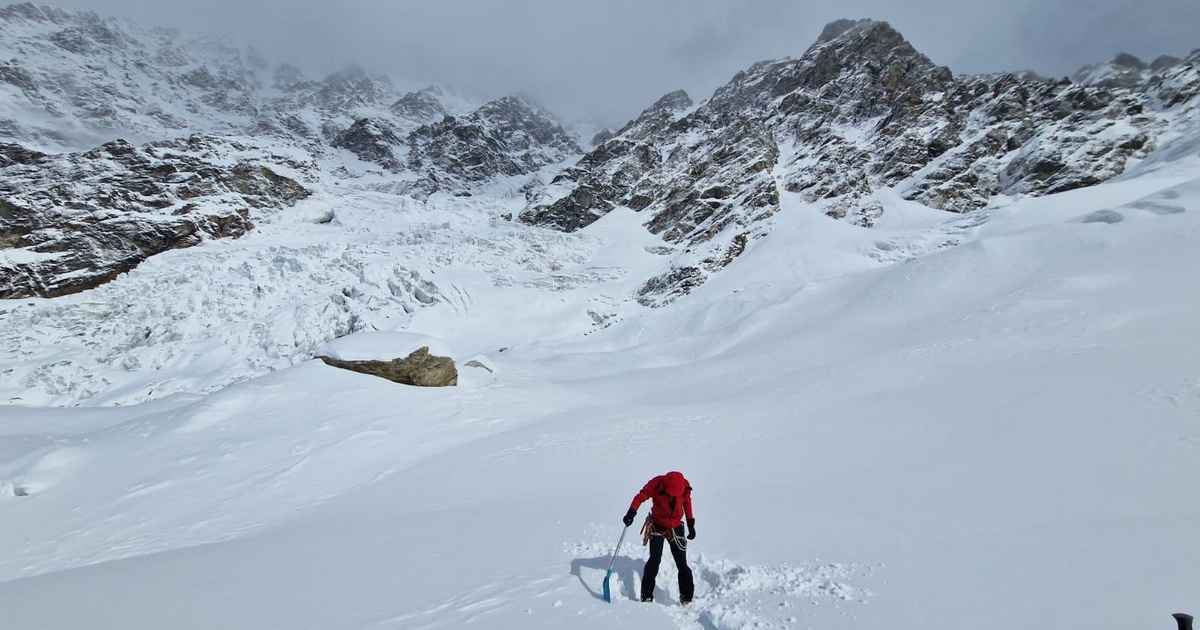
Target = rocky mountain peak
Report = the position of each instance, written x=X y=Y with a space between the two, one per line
x=1122 y=71
x=518 y=114
x=663 y=112
x=1162 y=62
x=1126 y=60
x=866 y=39
x=506 y=137
x=672 y=102
x=289 y=78
x=859 y=112
x=865 y=63
x=837 y=28
x=353 y=88
x=424 y=106
x=36 y=13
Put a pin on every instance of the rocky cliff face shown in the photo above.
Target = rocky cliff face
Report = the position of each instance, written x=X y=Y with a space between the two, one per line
x=859 y=112
x=504 y=138
x=72 y=222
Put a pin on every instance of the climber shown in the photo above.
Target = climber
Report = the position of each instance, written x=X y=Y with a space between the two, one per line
x=672 y=497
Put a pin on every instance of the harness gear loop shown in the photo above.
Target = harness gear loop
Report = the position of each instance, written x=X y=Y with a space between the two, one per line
x=650 y=528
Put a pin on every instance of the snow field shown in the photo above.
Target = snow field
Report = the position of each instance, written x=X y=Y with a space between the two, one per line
x=999 y=432
x=200 y=319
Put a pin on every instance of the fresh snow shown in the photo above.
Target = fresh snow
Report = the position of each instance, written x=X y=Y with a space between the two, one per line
x=986 y=420
x=367 y=346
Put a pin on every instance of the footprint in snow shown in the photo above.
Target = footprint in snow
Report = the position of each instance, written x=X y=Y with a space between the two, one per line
x=729 y=595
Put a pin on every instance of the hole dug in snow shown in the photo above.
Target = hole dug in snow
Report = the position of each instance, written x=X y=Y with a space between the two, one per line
x=728 y=594
x=12 y=490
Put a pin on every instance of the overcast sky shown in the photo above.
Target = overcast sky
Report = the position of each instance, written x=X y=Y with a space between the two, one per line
x=608 y=59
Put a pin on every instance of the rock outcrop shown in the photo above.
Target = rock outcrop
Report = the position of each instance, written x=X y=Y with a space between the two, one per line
x=507 y=137
x=371 y=141
x=72 y=222
x=419 y=368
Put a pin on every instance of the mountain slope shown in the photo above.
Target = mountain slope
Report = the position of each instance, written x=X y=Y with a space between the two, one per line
x=860 y=114
x=1009 y=420
x=979 y=411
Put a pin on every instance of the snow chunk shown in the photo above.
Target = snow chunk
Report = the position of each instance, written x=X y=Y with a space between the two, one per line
x=376 y=345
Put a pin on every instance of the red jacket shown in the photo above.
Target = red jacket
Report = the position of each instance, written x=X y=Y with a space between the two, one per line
x=667 y=510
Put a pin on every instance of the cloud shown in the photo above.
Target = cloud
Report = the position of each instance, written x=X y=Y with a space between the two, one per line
x=608 y=59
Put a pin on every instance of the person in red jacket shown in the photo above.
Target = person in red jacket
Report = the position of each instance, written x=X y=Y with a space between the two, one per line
x=672 y=496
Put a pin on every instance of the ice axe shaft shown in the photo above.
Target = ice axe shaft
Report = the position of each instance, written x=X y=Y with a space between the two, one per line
x=608 y=576
x=1184 y=621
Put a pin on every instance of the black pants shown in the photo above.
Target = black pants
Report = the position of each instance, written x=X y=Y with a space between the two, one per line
x=686 y=588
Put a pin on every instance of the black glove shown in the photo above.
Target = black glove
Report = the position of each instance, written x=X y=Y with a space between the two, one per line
x=691 y=529
x=628 y=520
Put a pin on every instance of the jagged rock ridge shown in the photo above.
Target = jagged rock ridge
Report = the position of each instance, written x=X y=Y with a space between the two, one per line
x=506 y=137
x=860 y=111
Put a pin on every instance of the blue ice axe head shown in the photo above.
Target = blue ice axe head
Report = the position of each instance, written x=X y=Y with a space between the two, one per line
x=608 y=576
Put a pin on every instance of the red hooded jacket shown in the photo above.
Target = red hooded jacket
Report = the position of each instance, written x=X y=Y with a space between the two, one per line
x=672 y=496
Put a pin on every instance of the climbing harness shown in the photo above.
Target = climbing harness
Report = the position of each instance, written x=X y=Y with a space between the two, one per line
x=650 y=528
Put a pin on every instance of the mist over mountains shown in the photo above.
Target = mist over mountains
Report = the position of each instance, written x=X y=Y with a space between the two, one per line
x=614 y=58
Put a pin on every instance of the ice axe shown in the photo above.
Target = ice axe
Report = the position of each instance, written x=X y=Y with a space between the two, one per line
x=608 y=576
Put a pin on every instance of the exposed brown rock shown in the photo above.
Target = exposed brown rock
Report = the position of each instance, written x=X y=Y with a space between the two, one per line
x=419 y=368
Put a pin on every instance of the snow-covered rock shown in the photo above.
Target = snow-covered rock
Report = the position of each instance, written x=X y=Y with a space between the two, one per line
x=72 y=222
x=508 y=137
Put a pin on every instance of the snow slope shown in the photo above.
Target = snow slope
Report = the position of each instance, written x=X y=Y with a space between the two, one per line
x=946 y=421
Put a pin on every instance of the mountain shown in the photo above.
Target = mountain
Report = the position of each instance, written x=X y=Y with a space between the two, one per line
x=1125 y=71
x=939 y=330
x=76 y=216
x=859 y=122
x=859 y=115
x=78 y=220
x=71 y=80
x=507 y=137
